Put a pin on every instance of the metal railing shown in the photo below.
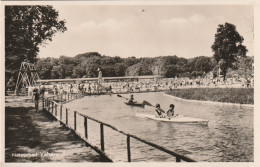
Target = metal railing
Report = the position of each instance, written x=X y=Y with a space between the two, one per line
x=51 y=106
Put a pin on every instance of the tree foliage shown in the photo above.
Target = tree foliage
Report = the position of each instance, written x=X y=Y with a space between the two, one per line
x=228 y=47
x=86 y=65
x=26 y=28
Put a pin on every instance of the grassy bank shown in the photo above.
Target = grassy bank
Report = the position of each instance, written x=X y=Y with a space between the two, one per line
x=227 y=95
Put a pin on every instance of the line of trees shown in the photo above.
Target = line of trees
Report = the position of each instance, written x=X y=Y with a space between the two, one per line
x=86 y=65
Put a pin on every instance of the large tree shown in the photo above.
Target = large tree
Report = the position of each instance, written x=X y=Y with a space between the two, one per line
x=26 y=28
x=227 y=47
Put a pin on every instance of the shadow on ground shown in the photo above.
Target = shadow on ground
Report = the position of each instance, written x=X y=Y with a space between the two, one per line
x=36 y=137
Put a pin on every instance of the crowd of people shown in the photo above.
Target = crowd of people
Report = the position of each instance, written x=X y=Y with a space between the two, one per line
x=145 y=85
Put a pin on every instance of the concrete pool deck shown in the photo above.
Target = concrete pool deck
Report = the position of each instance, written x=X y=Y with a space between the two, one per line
x=36 y=137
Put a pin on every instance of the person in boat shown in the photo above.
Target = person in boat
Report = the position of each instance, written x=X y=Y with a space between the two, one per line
x=170 y=112
x=159 y=112
x=131 y=100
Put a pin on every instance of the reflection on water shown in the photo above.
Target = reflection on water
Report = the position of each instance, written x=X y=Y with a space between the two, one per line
x=228 y=137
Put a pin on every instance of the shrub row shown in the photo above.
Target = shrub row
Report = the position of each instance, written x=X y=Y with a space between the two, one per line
x=227 y=95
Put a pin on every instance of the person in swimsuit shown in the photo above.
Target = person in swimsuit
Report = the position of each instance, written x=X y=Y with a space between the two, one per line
x=170 y=112
x=159 y=112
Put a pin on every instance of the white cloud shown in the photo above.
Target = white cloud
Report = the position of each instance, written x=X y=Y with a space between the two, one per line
x=180 y=21
x=88 y=25
x=173 y=21
x=197 y=18
x=109 y=24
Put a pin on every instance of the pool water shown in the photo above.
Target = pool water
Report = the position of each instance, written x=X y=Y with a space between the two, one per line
x=229 y=136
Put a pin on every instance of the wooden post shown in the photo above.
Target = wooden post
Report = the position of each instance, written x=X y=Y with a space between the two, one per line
x=86 y=129
x=55 y=109
x=52 y=103
x=49 y=105
x=60 y=113
x=178 y=159
x=66 y=116
x=128 y=149
x=75 y=120
x=42 y=103
x=60 y=97
x=102 y=137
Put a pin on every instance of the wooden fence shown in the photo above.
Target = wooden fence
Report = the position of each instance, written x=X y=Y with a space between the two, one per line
x=51 y=105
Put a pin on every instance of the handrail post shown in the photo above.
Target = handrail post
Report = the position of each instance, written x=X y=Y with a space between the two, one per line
x=178 y=159
x=75 y=120
x=86 y=127
x=43 y=103
x=128 y=149
x=55 y=109
x=66 y=116
x=60 y=97
x=52 y=103
x=102 y=136
x=60 y=114
x=49 y=105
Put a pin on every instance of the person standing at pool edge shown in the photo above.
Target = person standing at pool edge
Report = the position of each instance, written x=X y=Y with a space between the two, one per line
x=36 y=97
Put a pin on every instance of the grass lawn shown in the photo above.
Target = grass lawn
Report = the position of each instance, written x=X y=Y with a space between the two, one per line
x=228 y=95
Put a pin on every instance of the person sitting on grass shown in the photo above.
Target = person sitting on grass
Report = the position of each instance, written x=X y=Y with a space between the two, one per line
x=170 y=112
x=159 y=112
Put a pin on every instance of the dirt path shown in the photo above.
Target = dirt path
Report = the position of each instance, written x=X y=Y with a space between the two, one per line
x=35 y=137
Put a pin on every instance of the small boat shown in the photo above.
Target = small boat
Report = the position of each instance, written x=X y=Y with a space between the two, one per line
x=135 y=104
x=176 y=119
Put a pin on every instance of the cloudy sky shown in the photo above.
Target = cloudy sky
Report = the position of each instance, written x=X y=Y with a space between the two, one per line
x=146 y=30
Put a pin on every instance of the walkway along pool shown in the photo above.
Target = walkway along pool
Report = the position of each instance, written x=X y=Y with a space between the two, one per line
x=228 y=137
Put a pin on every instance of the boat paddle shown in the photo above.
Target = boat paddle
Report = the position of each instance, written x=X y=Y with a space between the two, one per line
x=122 y=96
x=147 y=103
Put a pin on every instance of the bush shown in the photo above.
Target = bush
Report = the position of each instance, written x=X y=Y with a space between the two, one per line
x=228 y=95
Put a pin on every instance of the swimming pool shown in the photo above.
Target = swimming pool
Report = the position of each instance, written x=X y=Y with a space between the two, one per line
x=229 y=136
